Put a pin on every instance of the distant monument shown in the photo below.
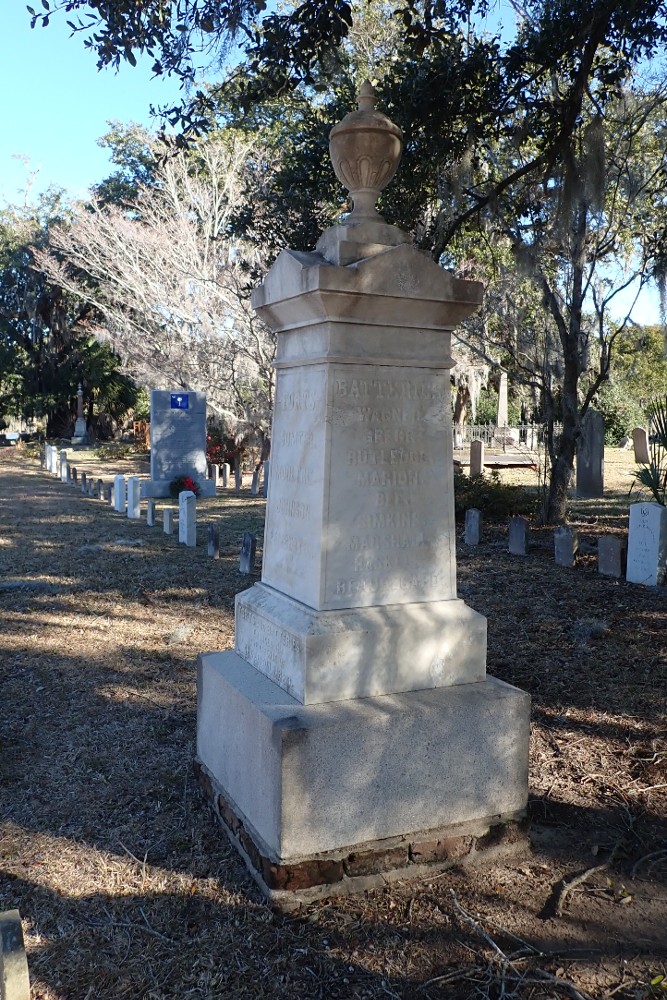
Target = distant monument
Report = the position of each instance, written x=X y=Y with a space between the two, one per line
x=178 y=442
x=80 y=431
x=353 y=730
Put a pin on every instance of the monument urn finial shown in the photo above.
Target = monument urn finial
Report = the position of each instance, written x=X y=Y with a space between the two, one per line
x=365 y=149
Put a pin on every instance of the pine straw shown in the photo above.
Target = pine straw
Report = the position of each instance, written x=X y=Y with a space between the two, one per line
x=128 y=890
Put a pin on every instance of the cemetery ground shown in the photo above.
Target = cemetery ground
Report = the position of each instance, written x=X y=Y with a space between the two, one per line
x=128 y=890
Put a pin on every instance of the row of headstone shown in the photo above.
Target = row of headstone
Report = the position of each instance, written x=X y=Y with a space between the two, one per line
x=642 y=559
x=125 y=497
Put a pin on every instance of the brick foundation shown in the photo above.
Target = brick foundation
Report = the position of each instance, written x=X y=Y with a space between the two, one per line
x=291 y=884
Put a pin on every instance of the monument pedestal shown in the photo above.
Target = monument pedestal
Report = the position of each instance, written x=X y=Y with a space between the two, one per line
x=306 y=790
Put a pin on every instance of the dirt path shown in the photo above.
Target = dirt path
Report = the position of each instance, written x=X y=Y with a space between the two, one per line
x=128 y=890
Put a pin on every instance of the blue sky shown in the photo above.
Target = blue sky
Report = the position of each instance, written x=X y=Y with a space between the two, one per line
x=55 y=104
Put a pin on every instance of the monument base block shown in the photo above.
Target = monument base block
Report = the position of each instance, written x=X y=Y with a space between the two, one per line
x=308 y=791
x=160 y=488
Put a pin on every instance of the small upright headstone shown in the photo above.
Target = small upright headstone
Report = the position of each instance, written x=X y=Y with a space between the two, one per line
x=214 y=474
x=265 y=483
x=187 y=518
x=150 y=513
x=108 y=490
x=63 y=466
x=566 y=545
x=75 y=476
x=476 y=458
x=84 y=482
x=99 y=487
x=14 y=976
x=69 y=473
x=518 y=536
x=133 y=498
x=473 y=527
x=647 y=544
x=248 y=552
x=640 y=442
x=225 y=469
x=91 y=486
x=238 y=479
x=168 y=520
x=612 y=552
x=590 y=455
x=213 y=542
x=254 y=488
x=119 y=495
x=502 y=412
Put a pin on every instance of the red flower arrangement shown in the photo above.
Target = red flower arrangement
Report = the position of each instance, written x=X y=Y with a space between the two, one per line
x=181 y=483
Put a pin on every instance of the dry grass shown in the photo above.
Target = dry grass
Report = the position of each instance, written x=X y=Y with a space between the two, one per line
x=128 y=890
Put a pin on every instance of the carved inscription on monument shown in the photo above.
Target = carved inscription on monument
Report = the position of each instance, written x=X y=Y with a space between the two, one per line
x=390 y=501
x=294 y=511
x=273 y=650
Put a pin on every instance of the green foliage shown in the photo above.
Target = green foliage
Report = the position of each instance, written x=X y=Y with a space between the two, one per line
x=620 y=410
x=640 y=363
x=654 y=475
x=493 y=498
x=183 y=483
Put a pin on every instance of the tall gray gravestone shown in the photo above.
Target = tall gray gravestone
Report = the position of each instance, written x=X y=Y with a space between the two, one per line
x=355 y=712
x=640 y=445
x=590 y=456
x=178 y=442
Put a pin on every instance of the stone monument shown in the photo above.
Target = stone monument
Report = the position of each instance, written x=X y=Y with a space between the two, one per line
x=590 y=455
x=353 y=729
x=80 y=435
x=178 y=442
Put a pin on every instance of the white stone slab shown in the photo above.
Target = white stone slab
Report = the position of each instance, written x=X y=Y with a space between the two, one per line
x=320 y=778
x=133 y=498
x=647 y=544
x=337 y=655
x=119 y=494
x=63 y=466
x=640 y=443
x=187 y=518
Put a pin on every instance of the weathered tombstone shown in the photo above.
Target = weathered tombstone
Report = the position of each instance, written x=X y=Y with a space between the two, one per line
x=566 y=545
x=214 y=474
x=357 y=599
x=213 y=541
x=75 y=476
x=69 y=473
x=647 y=544
x=265 y=482
x=168 y=520
x=14 y=977
x=119 y=494
x=48 y=458
x=91 y=486
x=84 y=482
x=476 y=458
x=99 y=487
x=63 y=466
x=612 y=555
x=178 y=442
x=187 y=518
x=590 y=455
x=150 y=513
x=518 y=536
x=473 y=527
x=254 y=487
x=640 y=443
x=238 y=478
x=134 y=498
x=225 y=474
x=503 y=409
x=248 y=553
x=108 y=492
